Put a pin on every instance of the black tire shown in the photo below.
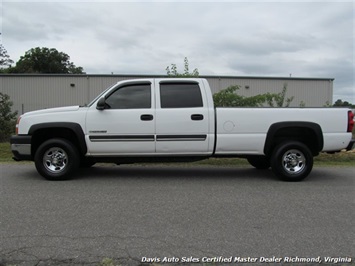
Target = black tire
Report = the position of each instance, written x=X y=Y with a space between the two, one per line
x=259 y=162
x=292 y=161
x=57 y=159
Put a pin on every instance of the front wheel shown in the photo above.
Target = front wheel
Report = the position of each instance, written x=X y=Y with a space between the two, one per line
x=292 y=161
x=56 y=159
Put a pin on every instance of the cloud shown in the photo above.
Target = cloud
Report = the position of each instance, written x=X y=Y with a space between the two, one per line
x=223 y=38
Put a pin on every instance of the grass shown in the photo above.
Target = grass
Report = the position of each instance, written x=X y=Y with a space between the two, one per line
x=324 y=159
x=337 y=159
x=5 y=152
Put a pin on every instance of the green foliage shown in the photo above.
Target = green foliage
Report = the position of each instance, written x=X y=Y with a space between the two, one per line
x=45 y=60
x=4 y=57
x=279 y=99
x=327 y=104
x=107 y=262
x=5 y=60
x=7 y=118
x=172 y=71
x=229 y=98
x=5 y=152
x=340 y=103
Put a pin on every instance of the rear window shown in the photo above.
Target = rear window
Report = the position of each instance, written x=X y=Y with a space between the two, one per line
x=180 y=95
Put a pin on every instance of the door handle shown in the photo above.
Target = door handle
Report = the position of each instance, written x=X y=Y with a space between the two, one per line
x=147 y=117
x=196 y=117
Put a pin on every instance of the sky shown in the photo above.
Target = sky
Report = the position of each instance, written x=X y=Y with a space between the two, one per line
x=224 y=38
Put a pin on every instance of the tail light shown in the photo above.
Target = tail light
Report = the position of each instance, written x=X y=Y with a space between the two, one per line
x=350 y=121
x=17 y=124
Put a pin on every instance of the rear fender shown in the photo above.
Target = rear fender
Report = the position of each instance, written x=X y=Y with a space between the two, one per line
x=306 y=132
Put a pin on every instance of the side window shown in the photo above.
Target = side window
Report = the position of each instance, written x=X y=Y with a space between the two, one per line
x=180 y=95
x=136 y=96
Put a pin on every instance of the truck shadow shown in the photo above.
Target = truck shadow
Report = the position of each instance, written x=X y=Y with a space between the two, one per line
x=246 y=173
x=172 y=172
x=109 y=172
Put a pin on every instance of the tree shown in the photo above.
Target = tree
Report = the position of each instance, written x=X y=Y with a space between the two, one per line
x=278 y=99
x=341 y=103
x=7 y=117
x=45 y=60
x=5 y=60
x=172 y=70
x=229 y=98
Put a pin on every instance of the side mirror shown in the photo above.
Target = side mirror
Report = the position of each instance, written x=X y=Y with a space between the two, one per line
x=101 y=104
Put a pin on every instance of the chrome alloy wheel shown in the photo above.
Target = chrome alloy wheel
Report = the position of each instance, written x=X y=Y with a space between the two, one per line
x=55 y=160
x=293 y=161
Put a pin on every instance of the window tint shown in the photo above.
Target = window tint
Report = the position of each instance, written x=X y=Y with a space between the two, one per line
x=130 y=97
x=180 y=95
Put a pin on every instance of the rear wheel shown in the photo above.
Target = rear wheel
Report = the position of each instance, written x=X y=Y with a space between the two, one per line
x=259 y=162
x=57 y=159
x=292 y=161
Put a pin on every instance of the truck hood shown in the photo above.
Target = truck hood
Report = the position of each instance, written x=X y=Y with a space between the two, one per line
x=53 y=110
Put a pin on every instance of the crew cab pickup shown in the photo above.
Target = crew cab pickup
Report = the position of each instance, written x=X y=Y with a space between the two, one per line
x=170 y=119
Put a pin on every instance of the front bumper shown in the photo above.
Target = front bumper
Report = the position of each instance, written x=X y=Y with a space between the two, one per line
x=21 y=147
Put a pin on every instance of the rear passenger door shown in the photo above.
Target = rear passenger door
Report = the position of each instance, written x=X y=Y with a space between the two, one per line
x=182 y=120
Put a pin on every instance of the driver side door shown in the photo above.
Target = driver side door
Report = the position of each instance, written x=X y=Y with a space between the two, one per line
x=126 y=125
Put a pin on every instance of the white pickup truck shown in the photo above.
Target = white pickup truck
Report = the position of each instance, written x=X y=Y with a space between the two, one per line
x=160 y=120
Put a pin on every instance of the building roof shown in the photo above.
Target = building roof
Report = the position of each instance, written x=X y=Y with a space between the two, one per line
x=162 y=76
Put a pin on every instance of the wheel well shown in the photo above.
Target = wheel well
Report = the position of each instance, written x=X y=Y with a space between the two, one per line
x=44 y=134
x=311 y=136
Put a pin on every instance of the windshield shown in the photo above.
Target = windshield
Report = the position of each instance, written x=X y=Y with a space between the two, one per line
x=100 y=95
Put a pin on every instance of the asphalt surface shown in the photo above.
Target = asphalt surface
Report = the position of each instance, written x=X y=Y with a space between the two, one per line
x=140 y=214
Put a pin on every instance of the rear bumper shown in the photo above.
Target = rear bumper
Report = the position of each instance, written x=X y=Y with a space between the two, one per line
x=21 y=148
x=351 y=145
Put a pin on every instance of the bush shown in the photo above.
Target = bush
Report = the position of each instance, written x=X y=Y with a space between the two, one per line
x=229 y=98
x=7 y=118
